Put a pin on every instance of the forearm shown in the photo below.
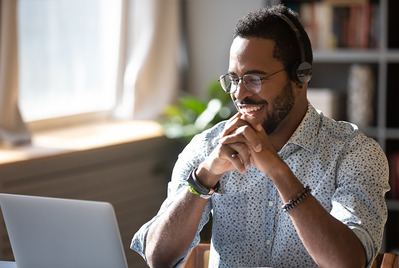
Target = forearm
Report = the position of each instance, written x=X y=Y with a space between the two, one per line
x=330 y=242
x=171 y=235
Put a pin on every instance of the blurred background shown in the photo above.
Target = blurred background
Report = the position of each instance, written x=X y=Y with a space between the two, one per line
x=98 y=97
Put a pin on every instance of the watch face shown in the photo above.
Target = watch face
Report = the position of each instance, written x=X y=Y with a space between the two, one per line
x=206 y=196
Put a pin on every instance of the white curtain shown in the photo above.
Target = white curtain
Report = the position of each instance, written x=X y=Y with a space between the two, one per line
x=148 y=77
x=12 y=128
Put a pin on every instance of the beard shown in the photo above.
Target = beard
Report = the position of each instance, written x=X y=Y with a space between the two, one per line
x=281 y=107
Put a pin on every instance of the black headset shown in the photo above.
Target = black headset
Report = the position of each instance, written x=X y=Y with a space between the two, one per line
x=301 y=71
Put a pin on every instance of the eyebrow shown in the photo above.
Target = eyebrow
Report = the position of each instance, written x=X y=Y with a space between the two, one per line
x=249 y=72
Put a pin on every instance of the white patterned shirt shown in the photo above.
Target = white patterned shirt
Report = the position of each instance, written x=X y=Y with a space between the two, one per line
x=348 y=175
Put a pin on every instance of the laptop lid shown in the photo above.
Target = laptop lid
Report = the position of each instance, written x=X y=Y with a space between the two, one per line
x=54 y=232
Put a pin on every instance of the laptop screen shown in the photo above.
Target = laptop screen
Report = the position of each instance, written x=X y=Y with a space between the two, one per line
x=54 y=232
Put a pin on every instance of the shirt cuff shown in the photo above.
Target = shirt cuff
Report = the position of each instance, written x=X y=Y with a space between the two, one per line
x=138 y=243
x=367 y=242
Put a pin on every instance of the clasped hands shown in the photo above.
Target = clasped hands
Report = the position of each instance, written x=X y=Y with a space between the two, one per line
x=243 y=142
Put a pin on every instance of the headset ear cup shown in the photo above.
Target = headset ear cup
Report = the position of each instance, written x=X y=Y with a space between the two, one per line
x=302 y=72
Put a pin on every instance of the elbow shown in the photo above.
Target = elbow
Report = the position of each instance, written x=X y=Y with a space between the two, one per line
x=156 y=258
x=159 y=263
x=343 y=264
x=155 y=262
x=345 y=261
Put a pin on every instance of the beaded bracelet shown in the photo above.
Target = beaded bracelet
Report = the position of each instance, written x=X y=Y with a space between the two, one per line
x=295 y=201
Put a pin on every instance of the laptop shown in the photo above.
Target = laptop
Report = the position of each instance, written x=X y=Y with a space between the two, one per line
x=54 y=232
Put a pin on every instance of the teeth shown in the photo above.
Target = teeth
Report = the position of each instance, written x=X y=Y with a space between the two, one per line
x=249 y=109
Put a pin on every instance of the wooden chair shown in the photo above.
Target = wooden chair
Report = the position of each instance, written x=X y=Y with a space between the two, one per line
x=199 y=257
x=385 y=260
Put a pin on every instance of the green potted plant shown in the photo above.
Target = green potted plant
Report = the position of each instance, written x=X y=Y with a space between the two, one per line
x=192 y=115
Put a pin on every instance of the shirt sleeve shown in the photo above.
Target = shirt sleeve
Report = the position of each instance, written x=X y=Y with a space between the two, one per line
x=359 y=201
x=188 y=160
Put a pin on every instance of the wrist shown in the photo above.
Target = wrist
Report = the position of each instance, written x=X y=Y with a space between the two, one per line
x=205 y=177
x=277 y=169
x=197 y=188
x=285 y=181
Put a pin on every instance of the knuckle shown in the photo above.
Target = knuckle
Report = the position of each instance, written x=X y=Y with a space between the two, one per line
x=246 y=130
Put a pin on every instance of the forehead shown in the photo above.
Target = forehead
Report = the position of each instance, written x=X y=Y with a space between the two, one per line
x=252 y=53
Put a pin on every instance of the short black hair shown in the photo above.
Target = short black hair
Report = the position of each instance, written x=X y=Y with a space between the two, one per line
x=267 y=23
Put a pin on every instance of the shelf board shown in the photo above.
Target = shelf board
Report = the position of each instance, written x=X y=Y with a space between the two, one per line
x=392 y=55
x=392 y=133
x=387 y=133
x=353 y=55
x=370 y=131
x=393 y=205
x=347 y=55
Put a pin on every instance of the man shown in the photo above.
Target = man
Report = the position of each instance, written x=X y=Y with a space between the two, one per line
x=287 y=186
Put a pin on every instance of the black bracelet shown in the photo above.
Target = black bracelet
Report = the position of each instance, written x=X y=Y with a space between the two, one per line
x=197 y=186
x=295 y=201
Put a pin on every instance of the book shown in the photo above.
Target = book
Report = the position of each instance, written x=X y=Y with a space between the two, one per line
x=393 y=160
x=341 y=24
x=361 y=95
x=329 y=102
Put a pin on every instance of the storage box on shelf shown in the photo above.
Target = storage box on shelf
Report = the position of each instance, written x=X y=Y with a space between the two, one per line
x=347 y=32
x=391 y=229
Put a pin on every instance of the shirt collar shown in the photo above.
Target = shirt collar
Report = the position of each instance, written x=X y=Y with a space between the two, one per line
x=306 y=133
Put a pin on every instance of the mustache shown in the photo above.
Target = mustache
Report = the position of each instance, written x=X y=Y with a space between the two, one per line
x=246 y=101
x=242 y=102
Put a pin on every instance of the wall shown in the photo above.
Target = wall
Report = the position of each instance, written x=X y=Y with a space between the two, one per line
x=127 y=175
x=209 y=27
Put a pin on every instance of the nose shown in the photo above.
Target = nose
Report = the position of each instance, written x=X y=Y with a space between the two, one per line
x=241 y=91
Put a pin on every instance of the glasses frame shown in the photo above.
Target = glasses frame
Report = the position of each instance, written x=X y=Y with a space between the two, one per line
x=238 y=79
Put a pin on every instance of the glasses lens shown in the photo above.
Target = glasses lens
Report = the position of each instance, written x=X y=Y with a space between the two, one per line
x=225 y=83
x=252 y=82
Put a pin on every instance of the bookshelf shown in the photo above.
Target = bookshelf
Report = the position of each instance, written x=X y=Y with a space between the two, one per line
x=332 y=64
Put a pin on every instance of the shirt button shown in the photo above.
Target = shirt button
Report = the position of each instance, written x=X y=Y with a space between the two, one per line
x=271 y=203
x=268 y=242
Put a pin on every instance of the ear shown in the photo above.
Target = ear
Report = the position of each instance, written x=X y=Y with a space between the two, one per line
x=300 y=89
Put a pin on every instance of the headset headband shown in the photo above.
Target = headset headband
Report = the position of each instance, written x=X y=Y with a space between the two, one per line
x=298 y=35
x=302 y=71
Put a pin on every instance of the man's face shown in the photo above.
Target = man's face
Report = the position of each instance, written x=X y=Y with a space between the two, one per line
x=276 y=99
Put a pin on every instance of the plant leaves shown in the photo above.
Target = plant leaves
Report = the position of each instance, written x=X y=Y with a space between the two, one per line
x=194 y=104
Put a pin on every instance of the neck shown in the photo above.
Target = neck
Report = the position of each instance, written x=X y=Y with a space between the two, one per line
x=287 y=127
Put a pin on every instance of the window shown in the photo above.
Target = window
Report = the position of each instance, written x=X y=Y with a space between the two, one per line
x=68 y=56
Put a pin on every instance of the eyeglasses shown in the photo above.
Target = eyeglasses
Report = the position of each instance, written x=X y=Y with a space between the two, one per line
x=252 y=82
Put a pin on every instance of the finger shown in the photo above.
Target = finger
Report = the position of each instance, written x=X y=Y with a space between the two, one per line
x=244 y=134
x=237 y=163
x=232 y=156
x=251 y=137
x=252 y=121
x=240 y=156
x=232 y=125
x=239 y=120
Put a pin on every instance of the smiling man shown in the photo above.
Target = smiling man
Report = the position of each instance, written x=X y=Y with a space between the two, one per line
x=287 y=186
